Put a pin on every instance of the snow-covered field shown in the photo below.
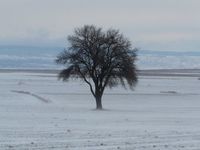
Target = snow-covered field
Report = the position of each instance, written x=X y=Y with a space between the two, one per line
x=38 y=112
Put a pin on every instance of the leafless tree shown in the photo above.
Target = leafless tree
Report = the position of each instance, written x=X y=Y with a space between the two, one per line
x=101 y=58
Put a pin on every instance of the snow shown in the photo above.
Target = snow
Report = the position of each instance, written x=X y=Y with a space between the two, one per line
x=38 y=112
x=148 y=61
x=20 y=57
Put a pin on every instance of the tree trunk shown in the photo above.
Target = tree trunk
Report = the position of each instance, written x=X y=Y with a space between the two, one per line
x=98 y=103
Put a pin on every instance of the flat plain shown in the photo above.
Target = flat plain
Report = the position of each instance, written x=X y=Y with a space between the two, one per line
x=39 y=112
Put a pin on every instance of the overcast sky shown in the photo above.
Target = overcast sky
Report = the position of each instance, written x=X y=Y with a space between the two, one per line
x=149 y=24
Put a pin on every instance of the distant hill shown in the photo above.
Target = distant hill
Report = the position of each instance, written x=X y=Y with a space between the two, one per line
x=149 y=59
x=25 y=57
x=168 y=53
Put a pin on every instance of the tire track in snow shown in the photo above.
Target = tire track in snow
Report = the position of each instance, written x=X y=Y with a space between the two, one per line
x=32 y=94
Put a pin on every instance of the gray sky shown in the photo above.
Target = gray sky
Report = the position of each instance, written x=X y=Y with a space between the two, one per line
x=149 y=24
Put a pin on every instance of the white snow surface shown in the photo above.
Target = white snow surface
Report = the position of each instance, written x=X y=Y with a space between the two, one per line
x=38 y=112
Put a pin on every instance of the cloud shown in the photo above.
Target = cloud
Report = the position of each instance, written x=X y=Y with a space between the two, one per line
x=154 y=22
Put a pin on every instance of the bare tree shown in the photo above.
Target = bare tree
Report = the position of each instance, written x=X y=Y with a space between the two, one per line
x=101 y=58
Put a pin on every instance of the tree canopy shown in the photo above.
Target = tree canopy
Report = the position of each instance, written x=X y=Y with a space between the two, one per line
x=101 y=58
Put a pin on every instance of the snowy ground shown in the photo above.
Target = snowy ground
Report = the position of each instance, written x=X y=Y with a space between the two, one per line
x=38 y=112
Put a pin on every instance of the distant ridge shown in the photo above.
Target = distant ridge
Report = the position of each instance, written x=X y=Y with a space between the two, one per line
x=26 y=57
x=172 y=53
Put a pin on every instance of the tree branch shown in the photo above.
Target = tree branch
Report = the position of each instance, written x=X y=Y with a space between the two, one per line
x=84 y=78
